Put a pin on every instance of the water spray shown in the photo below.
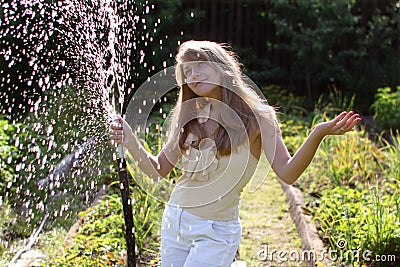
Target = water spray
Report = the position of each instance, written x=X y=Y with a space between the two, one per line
x=61 y=172
x=32 y=240
x=115 y=22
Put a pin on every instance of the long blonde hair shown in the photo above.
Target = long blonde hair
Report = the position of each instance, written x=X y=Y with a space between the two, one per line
x=236 y=94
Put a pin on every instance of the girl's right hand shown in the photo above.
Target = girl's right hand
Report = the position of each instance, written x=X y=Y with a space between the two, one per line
x=119 y=131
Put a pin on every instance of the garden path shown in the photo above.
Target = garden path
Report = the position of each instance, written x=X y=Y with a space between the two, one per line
x=267 y=226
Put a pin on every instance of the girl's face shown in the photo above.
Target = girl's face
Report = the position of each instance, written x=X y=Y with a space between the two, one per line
x=202 y=78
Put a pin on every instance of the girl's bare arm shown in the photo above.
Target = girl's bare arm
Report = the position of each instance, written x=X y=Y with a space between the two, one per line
x=289 y=168
x=156 y=167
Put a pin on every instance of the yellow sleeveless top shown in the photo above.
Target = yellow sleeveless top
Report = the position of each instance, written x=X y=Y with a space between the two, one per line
x=210 y=186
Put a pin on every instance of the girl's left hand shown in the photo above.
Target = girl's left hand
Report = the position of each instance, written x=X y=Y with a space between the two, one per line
x=342 y=124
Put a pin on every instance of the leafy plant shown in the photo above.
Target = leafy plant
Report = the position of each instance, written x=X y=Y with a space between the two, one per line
x=6 y=221
x=7 y=155
x=349 y=160
x=360 y=220
x=308 y=30
x=383 y=223
x=100 y=241
x=387 y=108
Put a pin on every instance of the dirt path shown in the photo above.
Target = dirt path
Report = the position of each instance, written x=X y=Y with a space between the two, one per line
x=267 y=227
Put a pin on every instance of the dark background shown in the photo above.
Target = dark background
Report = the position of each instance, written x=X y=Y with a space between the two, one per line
x=305 y=47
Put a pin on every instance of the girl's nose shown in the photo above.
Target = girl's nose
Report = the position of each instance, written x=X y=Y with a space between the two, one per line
x=195 y=72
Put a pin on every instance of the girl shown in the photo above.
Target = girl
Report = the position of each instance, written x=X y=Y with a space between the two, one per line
x=219 y=128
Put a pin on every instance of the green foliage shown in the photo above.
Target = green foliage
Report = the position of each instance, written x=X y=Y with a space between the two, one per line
x=292 y=115
x=332 y=104
x=387 y=108
x=6 y=234
x=312 y=28
x=291 y=109
x=341 y=199
x=324 y=43
x=389 y=161
x=384 y=223
x=260 y=69
x=286 y=102
x=340 y=216
x=147 y=217
x=7 y=155
x=100 y=241
x=332 y=42
x=345 y=207
x=349 y=160
x=362 y=220
x=351 y=214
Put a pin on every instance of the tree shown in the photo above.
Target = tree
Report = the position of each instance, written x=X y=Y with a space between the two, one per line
x=321 y=35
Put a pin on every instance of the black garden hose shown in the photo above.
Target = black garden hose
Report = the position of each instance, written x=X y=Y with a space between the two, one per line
x=127 y=208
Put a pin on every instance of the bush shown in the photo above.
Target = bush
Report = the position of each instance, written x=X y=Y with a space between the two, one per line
x=6 y=230
x=7 y=152
x=387 y=108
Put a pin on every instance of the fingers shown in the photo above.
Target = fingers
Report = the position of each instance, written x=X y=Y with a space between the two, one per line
x=340 y=117
x=116 y=131
x=117 y=122
x=346 y=121
x=116 y=137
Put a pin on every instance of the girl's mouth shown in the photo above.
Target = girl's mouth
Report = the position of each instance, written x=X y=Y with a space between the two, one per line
x=195 y=84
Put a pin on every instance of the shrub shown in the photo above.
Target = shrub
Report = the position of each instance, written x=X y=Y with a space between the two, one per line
x=387 y=108
x=7 y=152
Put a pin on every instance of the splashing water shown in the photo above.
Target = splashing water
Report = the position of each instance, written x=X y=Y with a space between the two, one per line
x=66 y=68
x=74 y=65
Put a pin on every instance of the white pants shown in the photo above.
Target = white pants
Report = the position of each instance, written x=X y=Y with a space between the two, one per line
x=191 y=241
